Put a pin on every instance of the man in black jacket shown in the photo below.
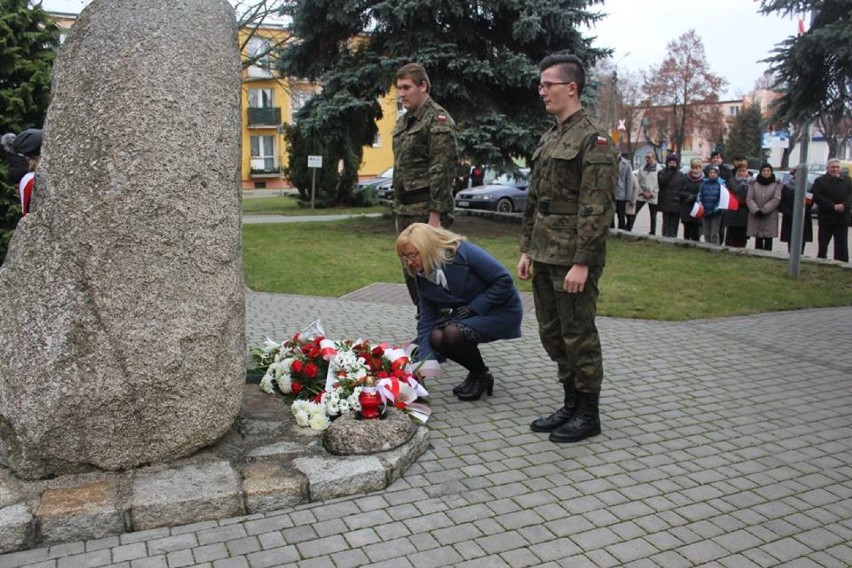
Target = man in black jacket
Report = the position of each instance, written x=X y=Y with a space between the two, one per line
x=833 y=197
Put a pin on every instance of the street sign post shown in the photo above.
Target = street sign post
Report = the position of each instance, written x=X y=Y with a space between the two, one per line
x=315 y=163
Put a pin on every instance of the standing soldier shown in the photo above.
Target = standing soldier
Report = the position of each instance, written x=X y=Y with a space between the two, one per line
x=563 y=246
x=425 y=158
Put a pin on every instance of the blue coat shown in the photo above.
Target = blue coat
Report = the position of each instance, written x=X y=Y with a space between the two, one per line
x=709 y=194
x=476 y=279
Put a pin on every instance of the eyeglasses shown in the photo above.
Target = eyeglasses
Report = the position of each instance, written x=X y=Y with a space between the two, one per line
x=411 y=257
x=546 y=86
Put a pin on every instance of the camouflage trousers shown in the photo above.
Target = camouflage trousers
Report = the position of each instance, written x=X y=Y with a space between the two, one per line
x=566 y=325
x=402 y=221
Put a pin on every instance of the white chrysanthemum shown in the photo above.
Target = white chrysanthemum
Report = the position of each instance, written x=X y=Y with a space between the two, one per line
x=319 y=422
x=332 y=409
x=266 y=384
x=285 y=383
x=302 y=418
x=345 y=406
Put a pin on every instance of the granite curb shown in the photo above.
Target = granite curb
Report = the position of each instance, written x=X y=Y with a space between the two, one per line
x=264 y=463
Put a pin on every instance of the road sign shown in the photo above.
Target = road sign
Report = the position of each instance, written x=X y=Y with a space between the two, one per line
x=314 y=161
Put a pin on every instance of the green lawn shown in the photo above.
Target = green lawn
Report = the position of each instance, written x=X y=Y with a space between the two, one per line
x=290 y=206
x=642 y=279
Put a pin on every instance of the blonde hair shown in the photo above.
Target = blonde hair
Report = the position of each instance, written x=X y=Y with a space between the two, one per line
x=436 y=246
x=694 y=162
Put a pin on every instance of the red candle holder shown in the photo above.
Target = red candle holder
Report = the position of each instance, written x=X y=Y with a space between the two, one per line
x=370 y=401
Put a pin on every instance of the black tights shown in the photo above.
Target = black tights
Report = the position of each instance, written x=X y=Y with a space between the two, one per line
x=450 y=342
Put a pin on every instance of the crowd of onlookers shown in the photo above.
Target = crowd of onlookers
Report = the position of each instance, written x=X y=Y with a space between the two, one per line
x=730 y=205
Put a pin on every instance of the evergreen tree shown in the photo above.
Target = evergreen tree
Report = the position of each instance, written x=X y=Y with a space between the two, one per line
x=814 y=69
x=744 y=135
x=28 y=41
x=481 y=58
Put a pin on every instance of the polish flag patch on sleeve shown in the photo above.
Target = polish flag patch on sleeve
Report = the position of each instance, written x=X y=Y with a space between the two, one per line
x=442 y=118
x=601 y=140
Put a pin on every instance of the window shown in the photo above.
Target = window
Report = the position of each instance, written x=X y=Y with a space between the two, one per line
x=400 y=110
x=734 y=110
x=298 y=98
x=263 y=153
x=260 y=98
x=258 y=49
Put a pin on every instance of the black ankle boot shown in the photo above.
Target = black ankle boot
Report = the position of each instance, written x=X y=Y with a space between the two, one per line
x=482 y=383
x=561 y=416
x=464 y=385
x=585 y=422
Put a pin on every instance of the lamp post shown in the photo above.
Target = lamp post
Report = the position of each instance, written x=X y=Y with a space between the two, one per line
x=614 y=92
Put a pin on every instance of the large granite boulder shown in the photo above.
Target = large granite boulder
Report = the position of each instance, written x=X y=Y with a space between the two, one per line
x=123 y=316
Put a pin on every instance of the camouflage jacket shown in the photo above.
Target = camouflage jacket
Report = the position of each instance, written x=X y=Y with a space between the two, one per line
x=425 y=159
x=572 y=194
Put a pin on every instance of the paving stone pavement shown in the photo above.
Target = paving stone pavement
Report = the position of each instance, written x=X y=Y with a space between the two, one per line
x=726 y=443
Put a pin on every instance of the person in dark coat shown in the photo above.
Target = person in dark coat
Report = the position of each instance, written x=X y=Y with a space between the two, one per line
x=788 y=196
x=477 y=175
x=736 y=222
x=669 y=180
x=690 y=183
x=466 y=298
x=833 y=197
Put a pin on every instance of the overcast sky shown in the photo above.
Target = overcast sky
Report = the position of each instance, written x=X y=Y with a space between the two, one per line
x=736 y=37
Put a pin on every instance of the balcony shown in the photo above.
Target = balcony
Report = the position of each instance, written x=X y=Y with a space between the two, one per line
x=267 y=117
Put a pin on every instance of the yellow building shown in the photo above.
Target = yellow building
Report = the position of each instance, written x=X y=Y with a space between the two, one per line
x=269 y=101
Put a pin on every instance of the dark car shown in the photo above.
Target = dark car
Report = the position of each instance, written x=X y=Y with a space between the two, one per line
x=373 y=182
x=384 y=190
x=505 y=194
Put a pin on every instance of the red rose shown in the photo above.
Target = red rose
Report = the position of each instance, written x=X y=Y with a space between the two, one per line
x=311 y=370
x=296 y=387
x=377 y=351
x=399 y=404
x=297 y=366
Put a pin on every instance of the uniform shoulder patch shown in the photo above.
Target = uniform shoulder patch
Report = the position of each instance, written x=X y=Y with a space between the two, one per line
x=601 y=140
x=442 y=118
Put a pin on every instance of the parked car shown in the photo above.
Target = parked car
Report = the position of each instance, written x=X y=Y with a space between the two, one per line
x=373 y=182
x=505 y=194
x=384 y=190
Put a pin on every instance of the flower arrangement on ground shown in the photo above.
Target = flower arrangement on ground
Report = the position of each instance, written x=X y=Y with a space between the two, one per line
x=326 y=376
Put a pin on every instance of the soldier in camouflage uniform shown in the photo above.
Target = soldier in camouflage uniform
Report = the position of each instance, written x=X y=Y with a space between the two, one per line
x=563 y=248
x=425 y=159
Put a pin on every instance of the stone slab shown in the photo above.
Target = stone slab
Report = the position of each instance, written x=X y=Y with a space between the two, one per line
x=397 y=461
x=197 y=492
x=271 y=487
x=15 y=525
x=331 y=477
x=82 y=512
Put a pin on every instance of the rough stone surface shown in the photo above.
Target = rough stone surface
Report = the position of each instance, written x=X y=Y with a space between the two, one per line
x=123 y=321
x=80 y=513
x=271 y=487
x=336 y=476
x=197 y=492
x=398 y=460
x=15 y=523
x=348 y=435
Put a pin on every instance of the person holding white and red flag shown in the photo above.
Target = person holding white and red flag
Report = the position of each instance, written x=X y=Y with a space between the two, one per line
x=709 y=198
x=763 y=200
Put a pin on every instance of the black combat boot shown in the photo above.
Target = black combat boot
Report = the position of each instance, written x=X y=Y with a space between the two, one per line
x=561 y=416
x=482 y=382
x=464 y=385
x=585 y=423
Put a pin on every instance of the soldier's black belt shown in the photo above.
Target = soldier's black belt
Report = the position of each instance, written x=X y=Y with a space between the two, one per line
x=547 y=207
x=415 y=196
